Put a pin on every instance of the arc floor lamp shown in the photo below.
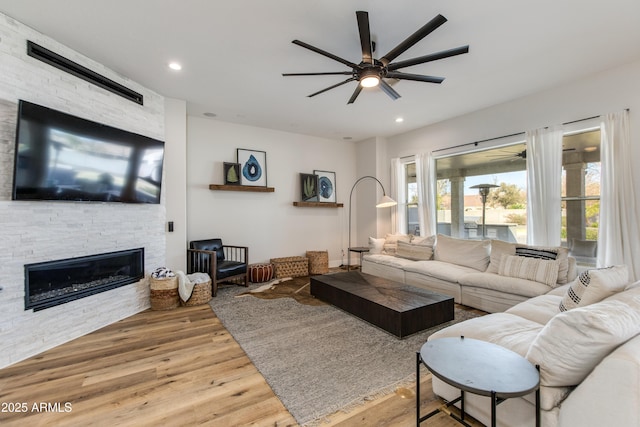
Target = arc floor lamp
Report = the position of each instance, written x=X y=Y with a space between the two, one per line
x=384 y=202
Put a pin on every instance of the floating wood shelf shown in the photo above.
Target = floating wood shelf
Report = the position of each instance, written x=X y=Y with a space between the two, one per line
x=317 y=205
x=253 y=188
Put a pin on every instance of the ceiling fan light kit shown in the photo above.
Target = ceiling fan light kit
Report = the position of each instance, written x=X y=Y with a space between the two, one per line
x=371 y=72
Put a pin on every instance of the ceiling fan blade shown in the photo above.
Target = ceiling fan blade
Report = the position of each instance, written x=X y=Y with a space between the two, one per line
x=330 y=73
x=428 y=58
x=413 y=39
x=415 y=77
x=388 y=90
x=350 y=79
x=355 y=94
x=325 y=53
x=365 y=36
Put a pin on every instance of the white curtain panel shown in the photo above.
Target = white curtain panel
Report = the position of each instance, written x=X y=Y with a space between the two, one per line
x=398 y=193
x=426 y=183
x=544 y=185
x=618 y=235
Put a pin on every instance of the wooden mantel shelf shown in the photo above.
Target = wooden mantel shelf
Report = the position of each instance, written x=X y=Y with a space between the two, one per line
x=253 y=188
x=317 y=205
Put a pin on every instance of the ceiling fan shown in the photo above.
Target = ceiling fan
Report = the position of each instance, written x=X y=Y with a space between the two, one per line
x=371 y=72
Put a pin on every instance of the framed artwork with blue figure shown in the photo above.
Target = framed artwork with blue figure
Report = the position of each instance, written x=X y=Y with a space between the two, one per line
x=253 y=167
x=326 y=186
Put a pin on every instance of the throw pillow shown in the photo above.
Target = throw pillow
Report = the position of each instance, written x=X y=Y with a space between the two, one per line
x=593 y=286
x=467 y=253
x=391 y=242
x=573 y=342
x=427 y=241
x=584 y=248
x=499 y=248
x=538 y=270
x=375 y=245
x=414 y=252
x=557 y=252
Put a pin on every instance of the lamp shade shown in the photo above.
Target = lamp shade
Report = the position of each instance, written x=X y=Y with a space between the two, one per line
x=386 y=202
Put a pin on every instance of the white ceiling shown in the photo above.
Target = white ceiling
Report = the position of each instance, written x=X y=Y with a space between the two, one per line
x=234 y=52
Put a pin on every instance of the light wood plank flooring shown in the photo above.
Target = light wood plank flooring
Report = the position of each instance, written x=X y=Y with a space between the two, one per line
x=171 y=368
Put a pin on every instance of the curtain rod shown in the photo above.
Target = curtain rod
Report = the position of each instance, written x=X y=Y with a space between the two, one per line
x=475 y=143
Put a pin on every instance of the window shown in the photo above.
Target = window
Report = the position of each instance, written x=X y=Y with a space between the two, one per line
x=460 y=210
x=581 y=194
x=413 y=221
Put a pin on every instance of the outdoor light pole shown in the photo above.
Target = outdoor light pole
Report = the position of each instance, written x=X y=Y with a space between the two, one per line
x=484 y=192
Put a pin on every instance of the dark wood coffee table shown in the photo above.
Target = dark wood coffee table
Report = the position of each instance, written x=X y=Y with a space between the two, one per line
x=397 y=308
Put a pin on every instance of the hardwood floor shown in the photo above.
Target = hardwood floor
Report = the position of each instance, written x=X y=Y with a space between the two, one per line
x=172 y=368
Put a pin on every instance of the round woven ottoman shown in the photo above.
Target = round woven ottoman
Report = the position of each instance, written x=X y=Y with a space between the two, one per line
x=259 y=273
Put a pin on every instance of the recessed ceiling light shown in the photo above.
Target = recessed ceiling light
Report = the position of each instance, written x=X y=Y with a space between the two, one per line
x=208 y=114
x=175 y=66
x=399 y=120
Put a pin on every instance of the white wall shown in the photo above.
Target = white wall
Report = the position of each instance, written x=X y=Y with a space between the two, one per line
x=610 y=91
x=267 y=223
x=175 y=182
x=368 y=221
x=44 y=231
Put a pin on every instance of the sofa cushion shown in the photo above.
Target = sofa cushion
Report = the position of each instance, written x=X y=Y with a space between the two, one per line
x=512 y=285
x=389 y=260
x=376 y=245
x=595 y=285
x=438 y=269
x=467 y=253
x=426 y=241
x=538 y=270
x=416 y=252
x=391 y=242
x=558 y=253
x=539 y=309
x=575 y=341
x=499 y=248
x=504 y=329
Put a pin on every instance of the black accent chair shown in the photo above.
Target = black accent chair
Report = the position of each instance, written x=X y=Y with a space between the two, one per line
x=224 y=263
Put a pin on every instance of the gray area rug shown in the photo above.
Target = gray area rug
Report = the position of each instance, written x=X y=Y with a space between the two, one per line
x=318 y=359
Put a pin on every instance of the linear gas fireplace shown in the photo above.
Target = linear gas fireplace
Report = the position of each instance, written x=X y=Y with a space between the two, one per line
x=52 y=283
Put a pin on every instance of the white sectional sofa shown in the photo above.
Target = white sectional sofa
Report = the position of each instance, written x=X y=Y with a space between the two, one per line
x=490 y=275
x=589 y=354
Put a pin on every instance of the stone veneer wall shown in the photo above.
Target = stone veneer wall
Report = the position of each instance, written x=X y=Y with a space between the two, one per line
x=42 y=231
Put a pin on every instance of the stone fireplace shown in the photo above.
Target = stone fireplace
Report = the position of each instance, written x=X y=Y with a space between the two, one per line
x=51 y=283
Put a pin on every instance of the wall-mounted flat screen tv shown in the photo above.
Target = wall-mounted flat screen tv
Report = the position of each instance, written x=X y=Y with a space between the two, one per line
x=63 y=157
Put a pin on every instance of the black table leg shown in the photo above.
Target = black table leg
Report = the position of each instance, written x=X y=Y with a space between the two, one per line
x=418 y=362
x=538 y=401
x=493 y=408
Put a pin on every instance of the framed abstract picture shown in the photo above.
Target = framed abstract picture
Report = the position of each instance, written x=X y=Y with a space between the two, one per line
x=326 y=186
x=308 y=187
x=253 y=167
x=232 y=173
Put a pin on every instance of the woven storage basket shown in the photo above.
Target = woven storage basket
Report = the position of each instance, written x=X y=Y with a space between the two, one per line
x=163 y=293
x=201 y=294
x=293 y=266
x=318 y=262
